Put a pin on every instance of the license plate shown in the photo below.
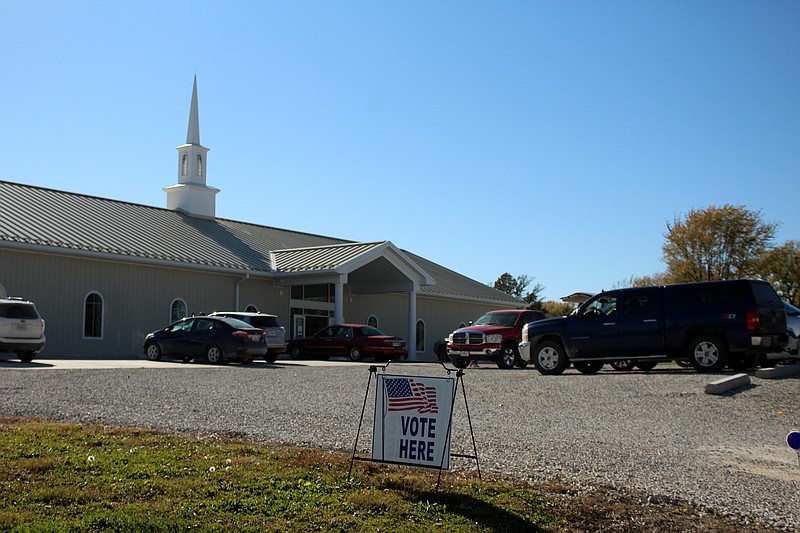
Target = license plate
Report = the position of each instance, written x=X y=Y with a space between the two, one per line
x=22 y=327
x=254 y=338
x=396 y=344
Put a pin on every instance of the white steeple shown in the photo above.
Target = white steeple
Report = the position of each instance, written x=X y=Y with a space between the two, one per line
x=191 y=195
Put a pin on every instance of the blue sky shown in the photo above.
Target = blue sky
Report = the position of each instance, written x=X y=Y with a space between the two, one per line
x=552 y=139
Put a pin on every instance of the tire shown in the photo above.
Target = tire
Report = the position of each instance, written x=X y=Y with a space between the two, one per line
x=646 y=365
x=588 y=367
x=153 y=351
x=623 y=365
x=509 y=356
x=214 y=355
x=707 y=353
x=271 y=357
x=459 y=362
x=550 y=358
x=742 y=362
x=296 y=352
x=26 y=357
x=355 y=354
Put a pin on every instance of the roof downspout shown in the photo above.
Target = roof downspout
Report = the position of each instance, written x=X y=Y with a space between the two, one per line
x=236 y=291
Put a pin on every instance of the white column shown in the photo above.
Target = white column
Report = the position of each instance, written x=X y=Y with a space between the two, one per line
x=411 y=341
x=338 y=296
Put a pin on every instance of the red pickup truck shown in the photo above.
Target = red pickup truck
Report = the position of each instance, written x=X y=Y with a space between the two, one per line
x=494 y=336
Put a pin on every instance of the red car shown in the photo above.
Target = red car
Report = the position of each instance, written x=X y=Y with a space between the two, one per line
x=355 y=341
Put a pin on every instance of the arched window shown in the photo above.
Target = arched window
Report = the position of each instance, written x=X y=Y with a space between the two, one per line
x=462 y=324
x=177 y=310
x=185 y=165
x=420 y=336
x=93 y=316
x=199 y=165
x=251 y=309
x=372 y=321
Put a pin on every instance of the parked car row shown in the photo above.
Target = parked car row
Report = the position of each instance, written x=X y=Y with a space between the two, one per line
x=238 y=336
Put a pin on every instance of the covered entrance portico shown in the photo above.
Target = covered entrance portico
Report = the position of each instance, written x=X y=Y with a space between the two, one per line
x=364 y=268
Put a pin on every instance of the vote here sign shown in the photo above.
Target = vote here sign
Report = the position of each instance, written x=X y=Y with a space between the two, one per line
x=412 y=420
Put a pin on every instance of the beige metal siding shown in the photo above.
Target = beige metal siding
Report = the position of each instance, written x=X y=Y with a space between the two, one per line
x=136 y=298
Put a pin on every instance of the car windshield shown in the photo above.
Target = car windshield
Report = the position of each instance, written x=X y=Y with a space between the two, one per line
x=497 y=319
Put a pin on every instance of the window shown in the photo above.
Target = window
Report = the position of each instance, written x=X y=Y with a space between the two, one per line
x=420 y=336
x=372 y=321
x=251 y=309
x=639 y=303
x=93 y=316
x=199 y=165
x=177 y=310
x=184 y=165
x=603 y=305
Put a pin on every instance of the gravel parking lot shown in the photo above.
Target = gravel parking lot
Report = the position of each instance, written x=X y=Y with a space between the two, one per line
x=657 y=432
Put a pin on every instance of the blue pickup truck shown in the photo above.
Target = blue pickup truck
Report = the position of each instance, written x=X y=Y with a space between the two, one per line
x=709 y=324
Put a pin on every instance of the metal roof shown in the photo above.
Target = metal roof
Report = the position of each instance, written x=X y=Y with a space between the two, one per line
x=37 y=217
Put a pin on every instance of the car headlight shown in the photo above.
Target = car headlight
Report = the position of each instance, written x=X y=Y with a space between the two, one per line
x=525 y=333
x=494 y=339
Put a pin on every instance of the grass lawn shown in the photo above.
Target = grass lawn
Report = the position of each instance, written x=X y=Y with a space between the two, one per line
x=69 y=477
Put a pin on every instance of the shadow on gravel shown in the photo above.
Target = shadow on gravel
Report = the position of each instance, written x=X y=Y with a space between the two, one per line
x=16 y=363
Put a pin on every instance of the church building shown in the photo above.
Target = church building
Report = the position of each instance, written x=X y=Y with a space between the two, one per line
x=103 y=273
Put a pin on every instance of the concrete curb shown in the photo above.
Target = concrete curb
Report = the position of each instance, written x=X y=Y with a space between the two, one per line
x=778 y=371
x=724 y=385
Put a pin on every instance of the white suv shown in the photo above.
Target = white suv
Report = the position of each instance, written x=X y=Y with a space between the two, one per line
x=276 y=334
x=21 y=328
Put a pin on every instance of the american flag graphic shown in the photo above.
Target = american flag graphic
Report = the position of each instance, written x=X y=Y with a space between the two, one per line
x=407 y=394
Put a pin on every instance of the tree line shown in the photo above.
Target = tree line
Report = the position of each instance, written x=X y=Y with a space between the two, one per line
x=715 y=243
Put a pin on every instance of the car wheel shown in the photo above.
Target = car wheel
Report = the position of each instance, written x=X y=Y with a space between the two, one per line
x=588 y=367
x=623 y=365
x=271 y=357
x=646 y=365
x=550 y=358
x=742 y=362
x=707 y=353
x=355 y=353
x=508 y=356
x=214 y=355
x=26 y=357
x=459 y=362
x=153 y=352
x=296 y=352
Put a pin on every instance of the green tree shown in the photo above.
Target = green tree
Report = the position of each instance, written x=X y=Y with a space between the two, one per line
x=516 y=287
x=781 y=267
x=716 y=243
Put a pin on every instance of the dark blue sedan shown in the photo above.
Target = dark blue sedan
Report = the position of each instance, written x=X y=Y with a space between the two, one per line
x=214 y=339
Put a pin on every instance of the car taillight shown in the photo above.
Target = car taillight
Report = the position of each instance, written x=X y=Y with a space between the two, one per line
x=240 y=334
x=753 y=320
